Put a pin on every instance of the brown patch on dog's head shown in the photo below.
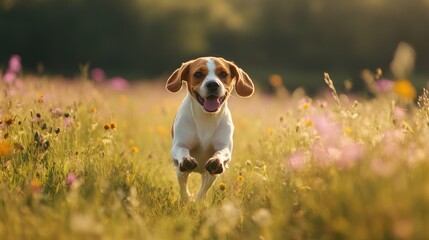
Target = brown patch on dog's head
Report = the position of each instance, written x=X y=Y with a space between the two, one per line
x=174 y=82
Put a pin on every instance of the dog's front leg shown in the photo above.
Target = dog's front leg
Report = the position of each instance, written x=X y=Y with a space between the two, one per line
x=218 y=163
x=184 y=160
x=185 y=164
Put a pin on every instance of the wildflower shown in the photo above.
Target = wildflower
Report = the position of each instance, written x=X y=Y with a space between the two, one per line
x=304 y=104
x=350 y=153
x=240 y=178
x=378 y=73
x=275 y=80
x=68 y=122
x=161 y=130
x=9 y=77
x=5 y=148
x=381 y=168
x=106 y=126
x=348 y=130
x=405 y=90
x=93 y=110
x=296 y=160
x=113 y=125
x=119 y=83
x=269 y=131
x=228 y=218
x=222 y=186
x=9 y=121
x=134 y=149
x=384 y=85
x=57 y=112
x=327 y=128
x=399 y=113
x=262 y=217
x=36 y=185
x=14 y=64
x=308 y=123
x=71 y=178
x=322 y=104
x=98 y=74
x=40 y=97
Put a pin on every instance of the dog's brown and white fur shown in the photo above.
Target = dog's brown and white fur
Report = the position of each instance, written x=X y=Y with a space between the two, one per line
x=202 y=130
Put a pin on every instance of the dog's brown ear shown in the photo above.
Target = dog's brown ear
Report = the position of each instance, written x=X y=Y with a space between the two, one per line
x=174 y=82
x=243 y=84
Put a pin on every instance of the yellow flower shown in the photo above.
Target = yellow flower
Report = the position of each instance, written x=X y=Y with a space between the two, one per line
x=40 y=97
x=269 y=131
x=93 y=110
x=161 y=130
x=308 y=123
x=134 y=149
x=36 y=185
x=222 y=186
x=5 y=148
x=305 y=105
x=405 y=90
x=275 y=80
x=348 y=130
x=240 y=178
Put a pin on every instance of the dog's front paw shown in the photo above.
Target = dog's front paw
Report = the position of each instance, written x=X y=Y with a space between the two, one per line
x=214 y=166
x=188 y=164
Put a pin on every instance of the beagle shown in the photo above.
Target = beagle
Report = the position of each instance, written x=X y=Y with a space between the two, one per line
x=202 y=130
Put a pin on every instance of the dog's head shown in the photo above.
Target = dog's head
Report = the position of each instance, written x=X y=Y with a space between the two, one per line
x=210 y=81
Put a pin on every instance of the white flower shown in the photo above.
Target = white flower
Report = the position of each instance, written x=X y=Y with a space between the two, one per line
x=262 y=217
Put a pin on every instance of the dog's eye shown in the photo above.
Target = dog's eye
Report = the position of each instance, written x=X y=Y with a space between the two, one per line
x=223 y=74
x=198 y=75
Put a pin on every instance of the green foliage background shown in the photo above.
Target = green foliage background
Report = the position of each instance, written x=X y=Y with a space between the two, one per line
x=138 y=38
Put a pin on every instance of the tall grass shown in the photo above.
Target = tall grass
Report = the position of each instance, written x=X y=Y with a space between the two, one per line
x=83 y=161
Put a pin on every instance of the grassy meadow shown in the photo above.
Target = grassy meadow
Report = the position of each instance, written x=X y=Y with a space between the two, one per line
x=81 y=159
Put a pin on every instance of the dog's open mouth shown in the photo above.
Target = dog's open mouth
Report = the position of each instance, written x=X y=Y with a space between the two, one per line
x=211 y=103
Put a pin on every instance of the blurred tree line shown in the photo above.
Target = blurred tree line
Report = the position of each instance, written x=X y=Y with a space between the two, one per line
x=138 y=38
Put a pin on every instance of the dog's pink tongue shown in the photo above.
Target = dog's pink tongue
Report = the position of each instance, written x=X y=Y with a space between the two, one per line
x=212 y=104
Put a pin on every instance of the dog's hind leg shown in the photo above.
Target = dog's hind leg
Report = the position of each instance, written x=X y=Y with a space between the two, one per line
x=207 y=182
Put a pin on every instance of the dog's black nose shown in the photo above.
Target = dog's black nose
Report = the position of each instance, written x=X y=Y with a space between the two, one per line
x=212 y=86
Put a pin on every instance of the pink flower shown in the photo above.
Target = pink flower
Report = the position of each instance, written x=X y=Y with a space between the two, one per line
x=119 y=83
x=98 y=74
x=328 y=130
x=68 y=121
x=9 y=77
x=399 y=113
x=350 y=153
x=296 y=160
x=384 y=85
x=71 y=178
x=381 y=168
x=322 y=103
x=57 y=112
x=15 y=64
